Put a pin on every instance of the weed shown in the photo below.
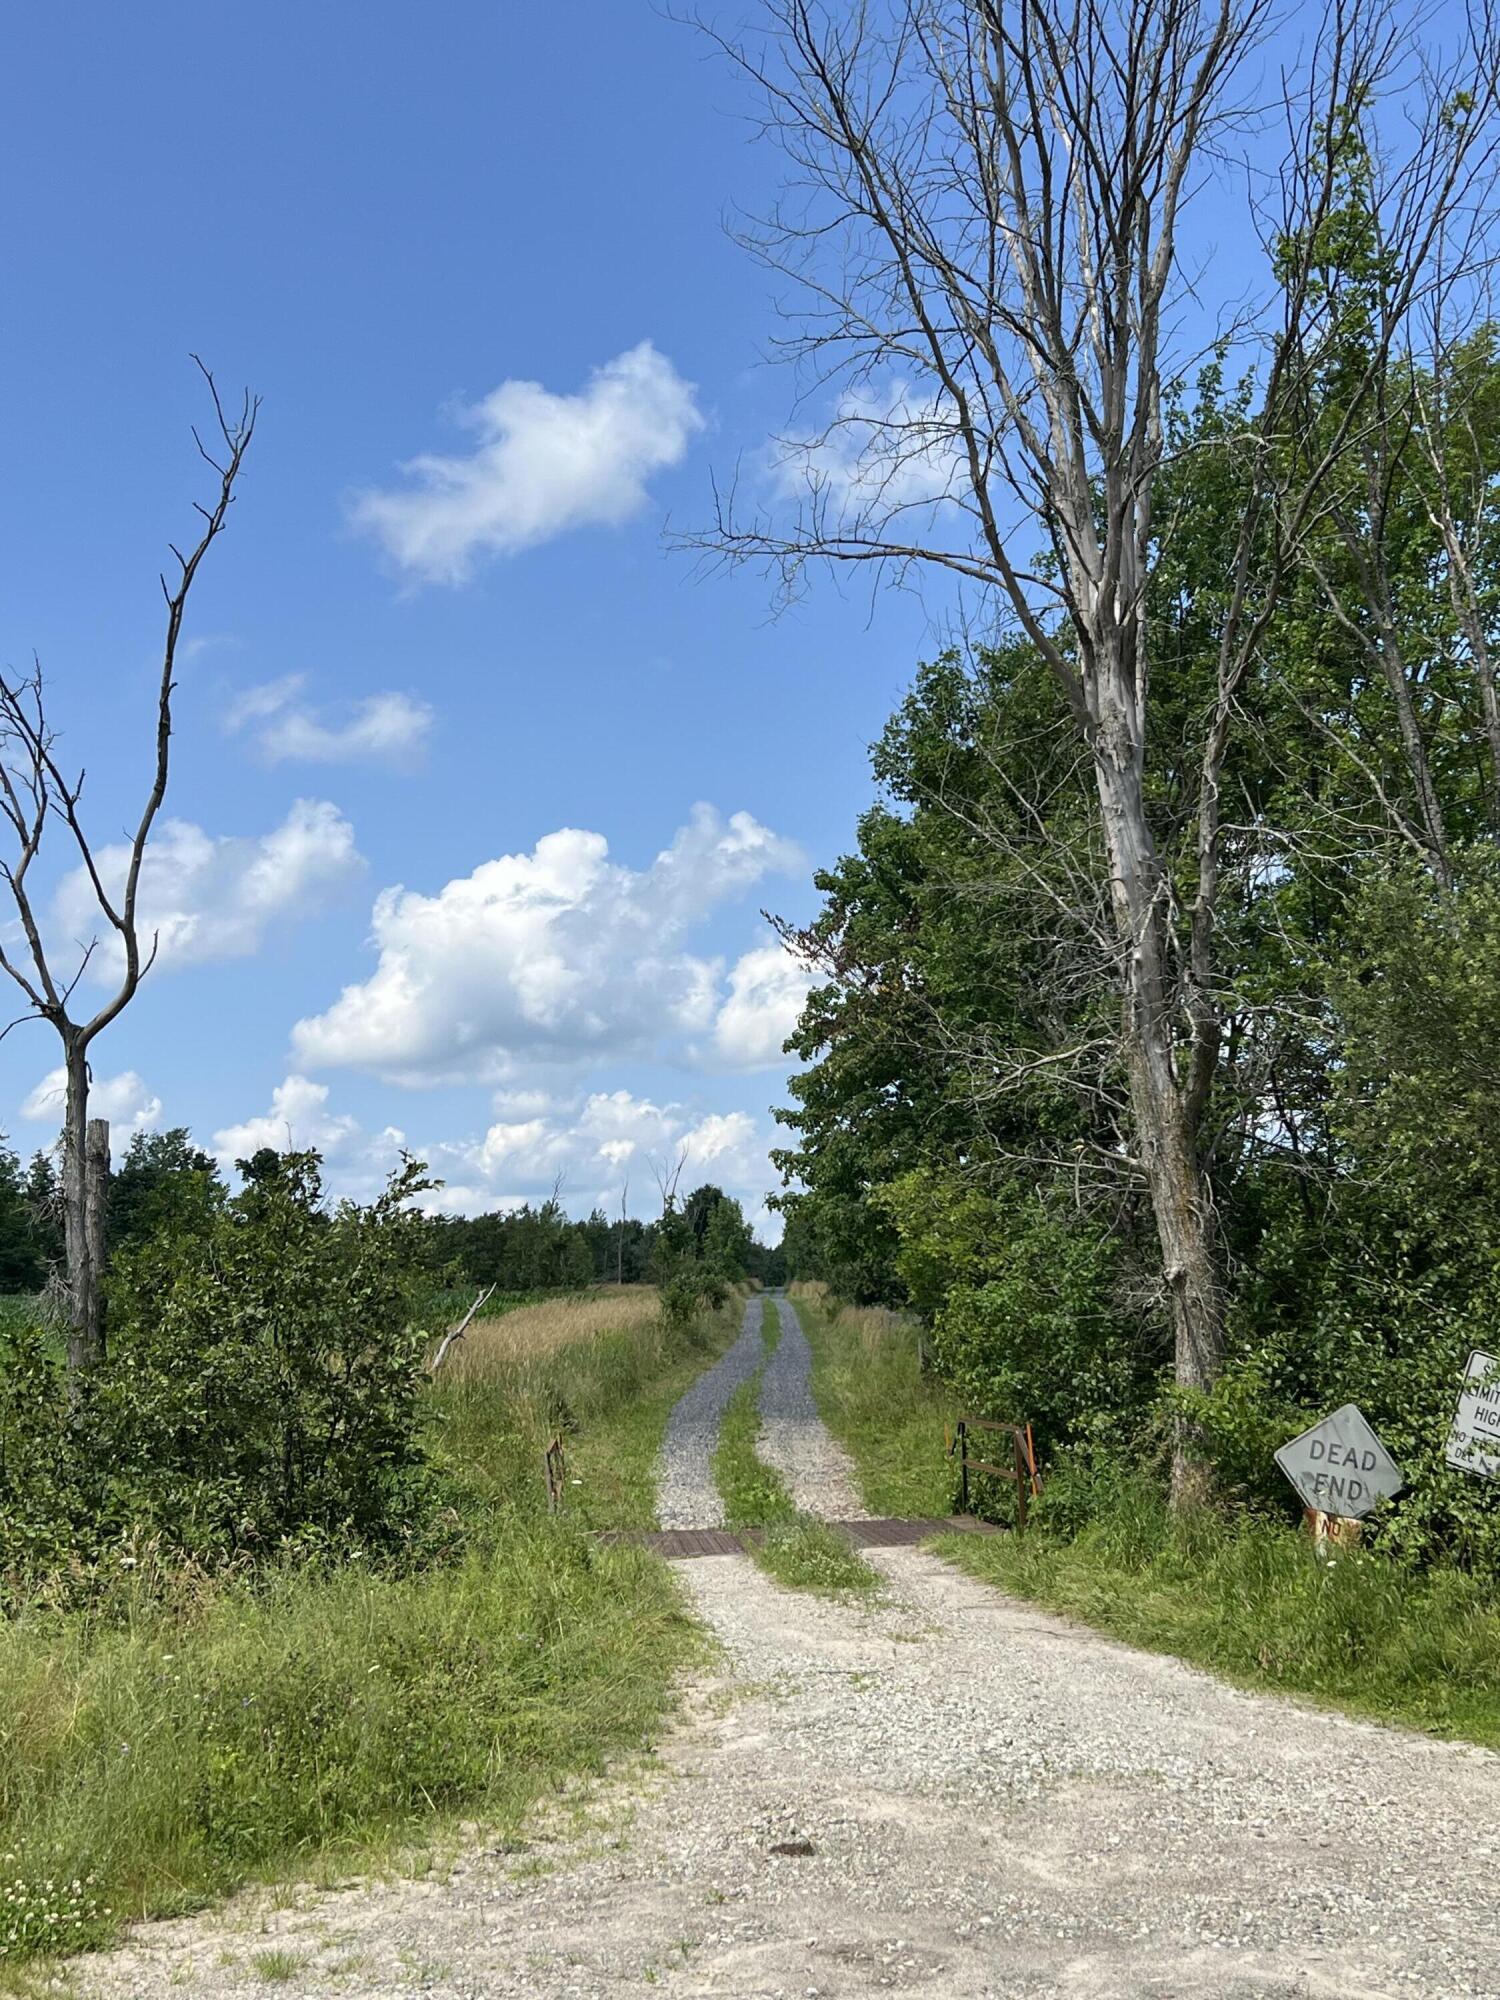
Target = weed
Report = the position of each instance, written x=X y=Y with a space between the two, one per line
x=801 y=1553
x=276 y=1967
x=753 y=1492
x=805 y=1554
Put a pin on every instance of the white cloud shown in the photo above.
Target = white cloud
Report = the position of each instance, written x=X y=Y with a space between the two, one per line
x=214 y=896
x=594 y=1147
x=544 y=463
x=124 y=1100
x=389 y=728
x=298 y=1120
x=254 y=704
x=886 y=450
x=553 y=955
x=767 y=989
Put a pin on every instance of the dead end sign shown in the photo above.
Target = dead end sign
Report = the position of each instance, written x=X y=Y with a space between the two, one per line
x=1340 y=1467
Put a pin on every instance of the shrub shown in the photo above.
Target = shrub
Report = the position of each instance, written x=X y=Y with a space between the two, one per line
x=263 y=1371
x=261 y=1387
x=1041 y=1339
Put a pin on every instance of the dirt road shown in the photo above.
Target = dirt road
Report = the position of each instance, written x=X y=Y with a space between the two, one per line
x=948 y=1794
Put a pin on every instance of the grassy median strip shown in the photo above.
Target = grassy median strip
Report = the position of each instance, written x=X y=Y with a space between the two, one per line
x=800 y=1552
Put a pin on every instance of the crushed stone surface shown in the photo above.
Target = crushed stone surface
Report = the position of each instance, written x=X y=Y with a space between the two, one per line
x=942 y=1792
x=794 y=1439
x=686 y=1496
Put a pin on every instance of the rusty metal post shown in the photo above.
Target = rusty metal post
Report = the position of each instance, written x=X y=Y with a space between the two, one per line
x=1023 y=1479
x=963 y=1465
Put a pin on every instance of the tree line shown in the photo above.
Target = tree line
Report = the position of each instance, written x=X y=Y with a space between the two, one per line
x=164 y=1179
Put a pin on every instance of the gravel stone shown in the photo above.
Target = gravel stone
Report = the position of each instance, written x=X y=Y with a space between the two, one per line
x=998 y=1803
x=686 y=1494
x=794 y=1438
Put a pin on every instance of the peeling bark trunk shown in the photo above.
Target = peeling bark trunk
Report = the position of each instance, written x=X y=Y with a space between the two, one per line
x=85 y=1182
x=1164 y=1120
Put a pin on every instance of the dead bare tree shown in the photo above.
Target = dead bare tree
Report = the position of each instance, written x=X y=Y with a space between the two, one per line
x=985 y=224
x=36 y=794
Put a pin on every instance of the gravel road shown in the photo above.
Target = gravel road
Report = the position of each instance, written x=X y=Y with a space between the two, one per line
x=945 y=1793
x=685 y=1490
x=997 y=1803
x=794 y=1440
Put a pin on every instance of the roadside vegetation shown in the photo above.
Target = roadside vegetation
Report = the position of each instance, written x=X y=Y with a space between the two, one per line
x=798 y=1551
x=278 y=1600
x=1240 y=1592
x=889 y=1415
x=1251 y=1599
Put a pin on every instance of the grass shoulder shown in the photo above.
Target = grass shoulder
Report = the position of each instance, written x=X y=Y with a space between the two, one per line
x=188 y=1735
x=876 y=1400
x=1252 y=1601
x=1244 y=1597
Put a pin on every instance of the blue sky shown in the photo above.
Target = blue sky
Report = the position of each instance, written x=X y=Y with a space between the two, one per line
x=385 y=219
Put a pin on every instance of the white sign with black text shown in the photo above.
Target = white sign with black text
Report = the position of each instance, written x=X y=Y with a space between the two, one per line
x=1340 y=1467
x=1474 y=1440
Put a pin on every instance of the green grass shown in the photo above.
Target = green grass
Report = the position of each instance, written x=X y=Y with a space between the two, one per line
x=609 y=1398
x=799 y=1552
x=804 y=1554
x=886 y=1413
x=753 y=1492
x=1253 y=1601
x=275 y=1967
x=613 y=1455
x=188 y=1735
x=1247 y=1598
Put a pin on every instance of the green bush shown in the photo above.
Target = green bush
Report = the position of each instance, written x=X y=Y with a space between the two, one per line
x=263 y=1372
x=261 y=1388
x=1040 y=1339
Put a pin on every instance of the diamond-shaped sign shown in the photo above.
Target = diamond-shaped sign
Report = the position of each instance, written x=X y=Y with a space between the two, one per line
x=1340 y=1466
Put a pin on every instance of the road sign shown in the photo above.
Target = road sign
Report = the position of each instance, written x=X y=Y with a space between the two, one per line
x=1340 y=1466
x=1474 y=1440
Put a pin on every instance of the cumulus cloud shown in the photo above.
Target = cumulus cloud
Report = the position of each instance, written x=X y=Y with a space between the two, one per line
x=595 y=1145
x=298 y=1120
x=209 y=896
x=767 y=989
x=543 y=463
x=885 y=451
x=554 y=955
x=592 y=1145
x=124 y=1100
x=390 y=728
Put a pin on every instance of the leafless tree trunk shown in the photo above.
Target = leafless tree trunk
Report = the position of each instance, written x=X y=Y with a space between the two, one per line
x=35 y=794
x=984 y=221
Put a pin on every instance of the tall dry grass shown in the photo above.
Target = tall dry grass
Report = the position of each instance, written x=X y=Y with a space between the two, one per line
x=877 y=1330
x=503 y=1348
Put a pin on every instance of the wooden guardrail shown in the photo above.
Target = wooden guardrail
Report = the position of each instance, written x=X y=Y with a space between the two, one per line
x=1022 y=1468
